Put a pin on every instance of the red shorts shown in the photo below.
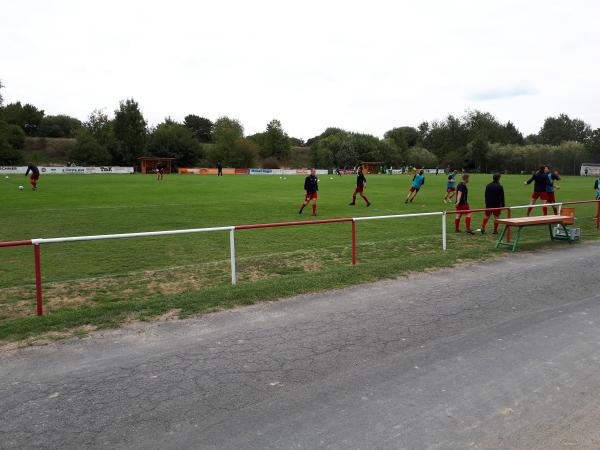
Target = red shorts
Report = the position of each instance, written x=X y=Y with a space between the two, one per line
x=314 y=195
x=464 y=207
x=414 y=189
x=550 y=197
x=358 y=189
x=35 y=176
x=496 y=213
x=450 y=189
x=537 y=195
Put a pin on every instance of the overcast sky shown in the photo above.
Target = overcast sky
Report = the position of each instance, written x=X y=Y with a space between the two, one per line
x=364 y=66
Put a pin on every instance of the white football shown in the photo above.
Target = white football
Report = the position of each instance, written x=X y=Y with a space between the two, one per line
x=21 y=188
x=6 y=177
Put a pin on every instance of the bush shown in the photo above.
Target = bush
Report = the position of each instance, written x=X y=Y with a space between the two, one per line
x=88 y=151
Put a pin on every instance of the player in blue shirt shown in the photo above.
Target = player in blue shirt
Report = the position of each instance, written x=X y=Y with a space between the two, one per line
x=417 y=181
x=550 y=196
x=450 y=186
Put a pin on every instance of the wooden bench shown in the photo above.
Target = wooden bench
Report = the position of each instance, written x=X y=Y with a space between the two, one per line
x=521 y=222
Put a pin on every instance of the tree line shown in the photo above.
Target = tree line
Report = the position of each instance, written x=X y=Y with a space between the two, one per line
x=477 y=141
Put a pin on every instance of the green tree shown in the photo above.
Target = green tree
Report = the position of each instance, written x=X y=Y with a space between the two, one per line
x=226 y=132
x=60 y=126
x=244 y=153
x=1 y=97
x=174 y=140
x=421 y=157
x=130 y=131
x=27 y=116
x=12 y=138
x=200 y=126
x=562 y=128
x=276 y=143
x=403 y=137
x=478 y=151
x=88 y=151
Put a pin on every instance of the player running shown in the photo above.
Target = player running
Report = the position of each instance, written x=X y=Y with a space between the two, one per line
x=417 y=181
x=311 y=191
x=540 y=180
x=35 y=175
x=494 y=198
x=597 y=188
x=462 y=204
x=361 y=185
x=450 y=186
x=550 y=195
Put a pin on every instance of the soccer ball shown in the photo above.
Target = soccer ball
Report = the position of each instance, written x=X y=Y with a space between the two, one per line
x=331 y=178
x=21 y=188
x=6 y=177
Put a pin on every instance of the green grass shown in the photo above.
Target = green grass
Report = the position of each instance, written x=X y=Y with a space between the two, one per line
x=103 y=283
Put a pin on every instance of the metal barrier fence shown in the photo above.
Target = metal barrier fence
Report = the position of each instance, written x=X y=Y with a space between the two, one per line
x=36 y=243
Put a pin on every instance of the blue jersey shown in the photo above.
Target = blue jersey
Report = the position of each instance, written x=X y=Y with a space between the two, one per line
x=451 y=181
x=418 y=181
x=598 y=189
x=550 y=184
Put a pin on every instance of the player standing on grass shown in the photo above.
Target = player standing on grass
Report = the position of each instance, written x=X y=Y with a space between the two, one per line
x=462 y=204
x=35 y=175
x=311 y=191
x=540 y=180
x=160 y=172
x=417 y=181
x=450 y=186
x=219 y=169
x=597 y=188
x=494 y=198
x=550 y=195
x=361 y=185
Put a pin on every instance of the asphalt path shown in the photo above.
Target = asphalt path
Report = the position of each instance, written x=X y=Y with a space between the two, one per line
x=502 y=354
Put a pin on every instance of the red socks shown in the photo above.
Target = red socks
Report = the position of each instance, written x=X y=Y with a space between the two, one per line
x=484 y=223
x=545 y=210
x=457 y=223
x=468 y=221
x=529 y=210
x=314 y=207
x=495 y=226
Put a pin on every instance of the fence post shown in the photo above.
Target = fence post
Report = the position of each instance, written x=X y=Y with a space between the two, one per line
x=38 y=279
x=353 y=242
x=232 y=253
x=444 y=230
x=560 y=209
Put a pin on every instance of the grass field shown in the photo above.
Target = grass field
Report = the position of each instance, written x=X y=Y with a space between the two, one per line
x=103 y=283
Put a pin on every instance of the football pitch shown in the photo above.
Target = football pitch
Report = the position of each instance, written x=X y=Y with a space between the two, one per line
x=103 y=283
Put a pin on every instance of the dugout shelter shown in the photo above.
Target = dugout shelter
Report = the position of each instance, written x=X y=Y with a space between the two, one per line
x=148 y=164
x=372 y=166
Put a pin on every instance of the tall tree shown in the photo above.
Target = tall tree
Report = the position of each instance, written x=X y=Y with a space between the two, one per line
x=174 y=140
x=562 y=128
x=226 y=132
x=276 y=144
x=61 y=126
x=130 y=130
x=27 y=116
x=200 y=126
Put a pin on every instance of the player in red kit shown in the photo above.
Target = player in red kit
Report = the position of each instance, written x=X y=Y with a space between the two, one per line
x=361 y=185
x=35 y=175
x=311 y=192
x=462 y=204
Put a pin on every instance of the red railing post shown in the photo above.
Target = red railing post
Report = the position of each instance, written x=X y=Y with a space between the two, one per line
x=38 y=279
x=353 y=242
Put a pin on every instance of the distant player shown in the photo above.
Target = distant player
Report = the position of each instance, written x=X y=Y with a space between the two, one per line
x=450 y=186
x=219 y=169
x=494 y=198
x=417 y=182
x=462 y=204
x=361 y=185
x=540 y=180
x=550 y=187
x=311 y=191
x=35 y=175
x=337 y=172
x=160 y=172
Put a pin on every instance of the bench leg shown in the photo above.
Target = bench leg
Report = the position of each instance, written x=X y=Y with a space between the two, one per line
x=550 y=229
x=516 y=243
x=566 y=232
x=501 y=236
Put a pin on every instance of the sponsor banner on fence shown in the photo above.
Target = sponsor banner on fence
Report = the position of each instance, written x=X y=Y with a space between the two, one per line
x=69 y=170
x=230 y=171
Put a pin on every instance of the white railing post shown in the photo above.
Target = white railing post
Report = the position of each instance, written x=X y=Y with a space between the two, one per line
x=232 y=252
x=444 y=230
x=560 y=209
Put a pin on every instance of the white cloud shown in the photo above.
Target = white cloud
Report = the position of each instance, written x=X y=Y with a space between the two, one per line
x=364 y=66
